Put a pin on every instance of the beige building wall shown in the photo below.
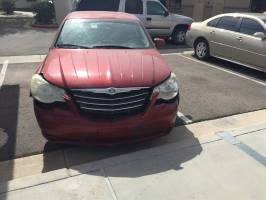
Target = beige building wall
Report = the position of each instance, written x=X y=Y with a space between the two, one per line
x=203 y=9
x=22 y=3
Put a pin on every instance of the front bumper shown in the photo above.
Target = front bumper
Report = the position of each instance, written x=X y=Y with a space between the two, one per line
x=68 y=126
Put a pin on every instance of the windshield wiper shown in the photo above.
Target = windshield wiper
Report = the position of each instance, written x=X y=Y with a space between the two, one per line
x=72 y=46
x=111 y=47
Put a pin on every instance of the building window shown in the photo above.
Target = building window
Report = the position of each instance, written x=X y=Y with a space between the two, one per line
x=174 y=5
x=258 y=6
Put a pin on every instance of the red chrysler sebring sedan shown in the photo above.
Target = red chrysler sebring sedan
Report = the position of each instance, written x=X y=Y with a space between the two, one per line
x=104 y=82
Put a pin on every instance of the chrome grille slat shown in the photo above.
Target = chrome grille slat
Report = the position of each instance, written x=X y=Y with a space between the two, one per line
x=96 y=103
x=111 y=104
x=121 y=98
x=112 y=110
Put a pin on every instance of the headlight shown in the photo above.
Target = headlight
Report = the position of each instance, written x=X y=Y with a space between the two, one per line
x=44 y=92
x=168 y=89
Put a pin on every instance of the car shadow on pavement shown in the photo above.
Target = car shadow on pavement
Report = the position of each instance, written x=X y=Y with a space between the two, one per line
x=156 y=156
x=9 y=102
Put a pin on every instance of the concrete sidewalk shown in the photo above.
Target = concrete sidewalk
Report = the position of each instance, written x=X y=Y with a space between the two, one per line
x=224 y=165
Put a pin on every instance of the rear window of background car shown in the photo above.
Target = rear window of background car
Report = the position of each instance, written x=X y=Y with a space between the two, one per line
x=228 y=23
x=98 y=5
x=213 y=23
x=250 y=26
x=134 y=6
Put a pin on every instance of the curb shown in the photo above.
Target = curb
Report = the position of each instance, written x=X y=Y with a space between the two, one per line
x=52 y=26
x=65 y=173
x=73 y=171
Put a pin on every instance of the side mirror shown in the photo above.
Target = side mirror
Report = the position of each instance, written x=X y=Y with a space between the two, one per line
x=159 y=42
x=166 y=13
x=260 y=35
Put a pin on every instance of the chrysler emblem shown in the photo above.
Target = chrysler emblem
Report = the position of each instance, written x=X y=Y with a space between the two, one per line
x=112 y=91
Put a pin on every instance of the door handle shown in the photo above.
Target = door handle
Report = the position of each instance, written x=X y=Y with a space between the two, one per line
x=148 y=18
x=212 y=32
x=239 y=38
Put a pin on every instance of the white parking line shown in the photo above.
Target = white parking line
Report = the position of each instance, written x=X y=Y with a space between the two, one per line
x=184 y=118
x=224 y=70
x=181 y=53
x=3 y=73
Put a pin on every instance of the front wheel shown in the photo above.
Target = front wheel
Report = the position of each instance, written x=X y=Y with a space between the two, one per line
x=202 y=51
x=179 y=35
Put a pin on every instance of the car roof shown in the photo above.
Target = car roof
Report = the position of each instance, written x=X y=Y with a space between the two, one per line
x=257 y=15
x=101 y=15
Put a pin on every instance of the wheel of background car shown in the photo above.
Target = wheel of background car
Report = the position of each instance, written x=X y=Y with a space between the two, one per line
x=179 y=35
x=201 y=48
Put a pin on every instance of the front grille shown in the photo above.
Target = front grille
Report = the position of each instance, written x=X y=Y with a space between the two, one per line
x=101 y=103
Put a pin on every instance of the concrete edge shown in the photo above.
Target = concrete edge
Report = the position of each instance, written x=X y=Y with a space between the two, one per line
x=30 y=181
x=248 y=130
x=57 y=175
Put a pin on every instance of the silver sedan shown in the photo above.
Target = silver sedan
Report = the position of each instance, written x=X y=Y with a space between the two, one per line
x=236 y=37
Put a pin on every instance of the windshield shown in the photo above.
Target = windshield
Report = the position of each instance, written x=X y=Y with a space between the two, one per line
x=102 y=34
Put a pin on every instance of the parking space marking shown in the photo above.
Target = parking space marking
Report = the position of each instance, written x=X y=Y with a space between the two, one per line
x=242 y=146
x=184 y=118
x=180 y=53
x=109 y=185
x=224 y=70
x=3 y=73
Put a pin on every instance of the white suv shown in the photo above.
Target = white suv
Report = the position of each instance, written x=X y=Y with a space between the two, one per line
x=155 y=17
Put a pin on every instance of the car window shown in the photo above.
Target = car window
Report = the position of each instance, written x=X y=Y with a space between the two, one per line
x=228 y=23
x=154 y=8
x=264 y=21
x=250 y=26
x=98 y=5
x=89 y=34
x=134 y=6
x=213 y=23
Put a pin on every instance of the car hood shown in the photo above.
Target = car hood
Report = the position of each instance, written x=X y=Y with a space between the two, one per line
x=181 y=19
x=101 y=68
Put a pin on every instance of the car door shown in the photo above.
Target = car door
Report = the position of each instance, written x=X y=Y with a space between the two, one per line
x=135 y=7
x=158 y=20
x=224 y=41
x=252 y=48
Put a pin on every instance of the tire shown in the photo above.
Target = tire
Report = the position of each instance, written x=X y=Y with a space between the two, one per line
x=179 y=35
x=202 y=50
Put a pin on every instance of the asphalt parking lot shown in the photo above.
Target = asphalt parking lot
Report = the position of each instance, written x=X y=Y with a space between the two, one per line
x=208 y=91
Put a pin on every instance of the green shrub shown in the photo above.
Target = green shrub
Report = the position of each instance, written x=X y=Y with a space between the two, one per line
x=45 y=11
x=8 y=6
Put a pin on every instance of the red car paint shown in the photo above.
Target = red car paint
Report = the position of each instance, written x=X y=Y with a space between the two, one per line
x=104 y=68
